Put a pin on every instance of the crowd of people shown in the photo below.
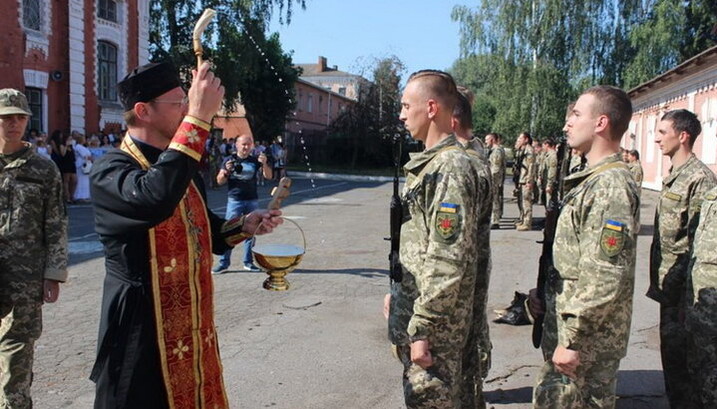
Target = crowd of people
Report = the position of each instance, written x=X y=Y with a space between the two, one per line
x=157 y=343
x=74 y=154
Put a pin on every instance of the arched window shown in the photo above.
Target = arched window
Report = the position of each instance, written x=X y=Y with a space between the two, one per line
x=107 y=10
x=31 y=14
x=107 y=71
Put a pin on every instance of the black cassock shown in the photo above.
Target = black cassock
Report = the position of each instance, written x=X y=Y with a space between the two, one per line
x=128 y=201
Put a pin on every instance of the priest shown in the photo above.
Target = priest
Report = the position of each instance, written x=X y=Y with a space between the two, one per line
x=157 y=345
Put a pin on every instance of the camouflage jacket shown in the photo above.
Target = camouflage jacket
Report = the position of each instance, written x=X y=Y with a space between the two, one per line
x=33 y=220
x=594 y=253
x=528 y=165
x=439 y=248
x=550 y=168
x=497 y=160
x=702 y=279
x=676 y=220
x=636 y=170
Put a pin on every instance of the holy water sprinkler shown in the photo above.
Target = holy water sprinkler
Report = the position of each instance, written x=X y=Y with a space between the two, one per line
x=199 y=28
x=278 y=260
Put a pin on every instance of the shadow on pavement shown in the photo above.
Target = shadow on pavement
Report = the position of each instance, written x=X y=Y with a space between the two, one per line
x=364 y=272
x=646 y=230
x=517 y=395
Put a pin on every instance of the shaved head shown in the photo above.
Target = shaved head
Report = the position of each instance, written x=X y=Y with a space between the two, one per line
x=437 y=85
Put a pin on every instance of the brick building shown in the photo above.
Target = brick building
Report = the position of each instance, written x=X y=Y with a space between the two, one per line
x=691 y=85
x=67 y=56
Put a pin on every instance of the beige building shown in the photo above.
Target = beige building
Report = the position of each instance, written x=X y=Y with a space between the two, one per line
x=691 y=85
x=331 y=78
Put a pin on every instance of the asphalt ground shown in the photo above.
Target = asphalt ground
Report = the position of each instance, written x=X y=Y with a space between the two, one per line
x=322 y=344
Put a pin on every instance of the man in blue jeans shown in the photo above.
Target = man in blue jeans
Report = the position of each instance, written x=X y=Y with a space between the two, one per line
x=240 y=171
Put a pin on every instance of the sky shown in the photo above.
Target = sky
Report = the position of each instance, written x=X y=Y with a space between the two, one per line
x=353 y=33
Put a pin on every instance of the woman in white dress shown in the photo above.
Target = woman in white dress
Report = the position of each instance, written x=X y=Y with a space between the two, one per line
x=83 y=162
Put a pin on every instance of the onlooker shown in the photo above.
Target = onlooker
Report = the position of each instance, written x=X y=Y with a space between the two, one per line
x=63 y=154
x=279 y=154
x=95 y=148
x=240 y=171
x=83 y=165
x=42 y=148
x=33 y=248
x=526 y=180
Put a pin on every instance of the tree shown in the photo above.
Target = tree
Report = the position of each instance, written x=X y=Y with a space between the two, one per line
x=253 y=68
x=364 y=130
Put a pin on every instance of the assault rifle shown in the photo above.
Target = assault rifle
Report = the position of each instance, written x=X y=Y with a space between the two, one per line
x=546 y=269
x=396 y=214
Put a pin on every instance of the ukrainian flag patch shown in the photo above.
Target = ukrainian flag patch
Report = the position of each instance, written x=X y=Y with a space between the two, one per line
x=612 y=239
x=448 y=207
x=614 y=225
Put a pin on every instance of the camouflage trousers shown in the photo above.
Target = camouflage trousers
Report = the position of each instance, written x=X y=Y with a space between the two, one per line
x=20 y=327
x=497 y=193
x=525 y=205
x=702 y=367
x=673 y=348
x=594 y=387
x=438 y=387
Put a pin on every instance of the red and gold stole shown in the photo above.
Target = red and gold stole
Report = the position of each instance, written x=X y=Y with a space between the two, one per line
x=181 y=257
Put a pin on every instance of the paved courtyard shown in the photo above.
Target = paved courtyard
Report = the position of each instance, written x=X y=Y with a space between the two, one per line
x=323 y=343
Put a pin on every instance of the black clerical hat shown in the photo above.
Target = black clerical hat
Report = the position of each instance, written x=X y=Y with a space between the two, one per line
x=147 y=82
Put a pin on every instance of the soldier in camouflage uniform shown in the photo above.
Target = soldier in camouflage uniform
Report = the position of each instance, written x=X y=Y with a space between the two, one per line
x=676 y=220
x=594 y=255
x=477 y=352
x=431 y=309
x=701 y=314
x=549 y=175
x=33 y=248
x=526 y=181
x=635 y=166
x=496 y=159
x=539 y=187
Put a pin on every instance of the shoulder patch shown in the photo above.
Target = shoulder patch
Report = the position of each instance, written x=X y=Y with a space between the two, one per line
x=448 y=222
x=612 y=239
x=673 y=196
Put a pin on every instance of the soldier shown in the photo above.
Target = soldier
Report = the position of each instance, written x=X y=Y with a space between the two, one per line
x=477 y=353
x=539 y=188
x=676 y=219
x=33 y=247
x=497 y=171
x=526 y=181
x=594 y=256
x=701 y=314
x=635 y=166
x=549 y=175
x=431 y=309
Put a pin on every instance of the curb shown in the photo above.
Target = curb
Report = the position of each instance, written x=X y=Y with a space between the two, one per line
x=335 y=176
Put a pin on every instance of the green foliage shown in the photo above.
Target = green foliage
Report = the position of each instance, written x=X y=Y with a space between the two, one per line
x=527 y=59
x=245 y=66
x=361 y=135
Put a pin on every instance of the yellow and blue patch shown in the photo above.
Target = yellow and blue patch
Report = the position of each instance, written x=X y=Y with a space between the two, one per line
x=448 y=207
x=448 y=222
x=612 y=239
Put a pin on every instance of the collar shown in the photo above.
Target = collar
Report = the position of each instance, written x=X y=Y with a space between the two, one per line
x=575 y=179
x=150 y=152
x=420 y=159
x=676 y=172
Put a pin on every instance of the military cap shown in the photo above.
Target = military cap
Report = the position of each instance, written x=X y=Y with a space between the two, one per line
x=13 y=102
x=147 y=82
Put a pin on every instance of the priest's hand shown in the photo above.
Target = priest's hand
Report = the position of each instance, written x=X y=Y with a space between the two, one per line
x=268 y=219
x=206 y=94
